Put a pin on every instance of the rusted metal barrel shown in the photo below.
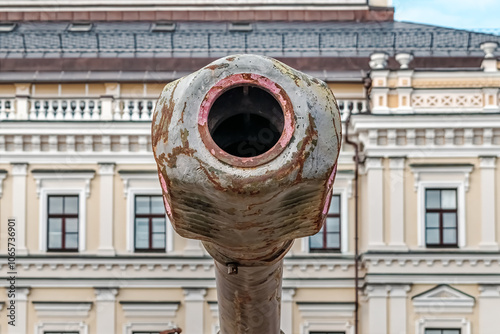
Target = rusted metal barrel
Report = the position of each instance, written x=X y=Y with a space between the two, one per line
x=246 y=150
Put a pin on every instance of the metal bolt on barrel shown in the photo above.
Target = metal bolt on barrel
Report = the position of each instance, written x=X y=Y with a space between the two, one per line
x=246 y=150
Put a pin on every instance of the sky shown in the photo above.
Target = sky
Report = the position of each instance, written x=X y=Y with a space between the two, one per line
x=460 y=14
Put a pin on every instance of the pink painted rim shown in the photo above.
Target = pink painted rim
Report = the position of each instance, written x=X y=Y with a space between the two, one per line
x=246 y=79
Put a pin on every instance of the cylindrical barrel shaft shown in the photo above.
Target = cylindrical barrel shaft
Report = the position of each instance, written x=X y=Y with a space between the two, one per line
x=249 y=301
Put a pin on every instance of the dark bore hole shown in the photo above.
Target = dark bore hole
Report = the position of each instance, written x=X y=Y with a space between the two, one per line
x=246 y=121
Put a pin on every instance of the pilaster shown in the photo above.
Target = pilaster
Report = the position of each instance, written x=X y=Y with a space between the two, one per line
x=19 y=173
x=105 y=310
x=375 y=216
x=377 y=309
x=489 y=304
x=106 y=183
x=21 y=304
x=396 y=214
x=488 y=203
x=287 y=310
x=397 y=308
x=194 y=301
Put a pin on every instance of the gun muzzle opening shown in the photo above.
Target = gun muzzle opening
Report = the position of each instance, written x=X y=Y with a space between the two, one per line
x=246 y=120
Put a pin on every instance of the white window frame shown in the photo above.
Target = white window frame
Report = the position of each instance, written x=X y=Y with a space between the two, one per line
x=342 y=187
x=80 y=327
x=142 y=183
x=130 y=327
x=463 y=324
x=169 y=232
x=63 y=183
x=460 y=182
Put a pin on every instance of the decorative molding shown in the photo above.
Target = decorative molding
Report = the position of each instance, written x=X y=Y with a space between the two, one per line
x=61 y=178
x=377 y=291
x=344 y=326
x=43 y=327
x=397 y=163
x=106 y=168
x=319 y=310
x=462 y=323
x=131 y=178
x=19 y=169
x=131 y=327
x=443 y=299
x=22 y=294
x=194 y=294
x=489 y=291
x=62 y=309
x=160 y=310
x=106 y=294
x=419 y=169
x=488 y=162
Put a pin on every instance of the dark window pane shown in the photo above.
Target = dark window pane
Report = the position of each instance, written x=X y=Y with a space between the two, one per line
x=55 y=225
x=449 y=236
x=333 y=240
x=55 y=240
x=449 y=219
x=71 y=225
x=432 y=236
x=142 y=233
x=71 y=240
x=142 y=204
x=432 y=199
x=55 y=205
x=432 y=220
x=157 y=205
x=71 y=205
x=158 y=225
x=332 y=224
x=448 y=199
x=335 y=205
x=158 y=240
x=433 y=331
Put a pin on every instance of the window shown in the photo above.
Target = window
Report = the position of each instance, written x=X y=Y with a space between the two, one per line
x=62 y=222
x=442 y=331
x=61 y=333
x=326 y=332
x=145 y=332
x=328 y=239
x=441 y=218
x=150 y=223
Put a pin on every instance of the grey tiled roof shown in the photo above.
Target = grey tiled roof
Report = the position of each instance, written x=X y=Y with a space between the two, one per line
x=212 y=39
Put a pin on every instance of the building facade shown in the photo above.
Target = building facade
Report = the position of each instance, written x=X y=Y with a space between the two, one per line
x=95 y=253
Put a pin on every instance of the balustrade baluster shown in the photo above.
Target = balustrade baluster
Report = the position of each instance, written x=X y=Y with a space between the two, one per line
x=86 y=110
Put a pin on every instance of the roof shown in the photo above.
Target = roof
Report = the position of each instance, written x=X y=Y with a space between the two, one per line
x=214 y=39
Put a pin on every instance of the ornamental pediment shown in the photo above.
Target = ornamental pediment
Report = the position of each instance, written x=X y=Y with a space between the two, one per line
x=443 y=299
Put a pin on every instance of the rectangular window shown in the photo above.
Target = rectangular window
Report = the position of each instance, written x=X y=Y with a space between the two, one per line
x=441 y=218
x=145 y=332
x=150 y=224
x=328 y=238
x=61 y=333
x=326 y=332
x=442 y=331
x=62 y=223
